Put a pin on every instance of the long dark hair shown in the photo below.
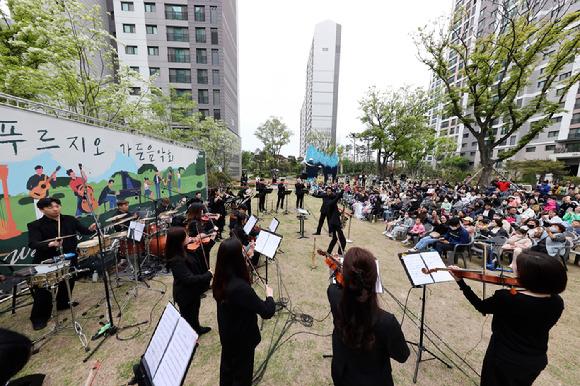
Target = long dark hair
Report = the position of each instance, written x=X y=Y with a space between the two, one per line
x=174 y=245
x=194 y=212
x=230 y=263
x=541 y=273
x=358 y=307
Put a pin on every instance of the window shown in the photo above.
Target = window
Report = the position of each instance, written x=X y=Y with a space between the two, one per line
x=452 y=131
x=575 y=119
x=574 y=133
x=129 y=28
x=154 y=71
x=530 y=149
x=519 y=102
x=577 y=104
x=560 y=91
x=181 y=113
x=181 y=92
x=204 y=114
x=214 y=36
x=473 y=144
x=217 y=114
x=553 y=133
x=216 y=97
x=573 y=147
x=153 y=51
x=127 y=6
x=179 y=75
x=134 y=69
x=512 y=140
x=150 y=7
x=178 y=34
x=131 y=50
x=176 y=12
x=472 y=154
x=199 y=13
x=542 y=70
x=202 y=76
x=465 y=135
x=151 y=29
x=557 y=120
x=200 y=35
x=203 y=96
x=213 y=15
x=135 y=91
x=201 y=55
x=541 y=84
x=178 y=55
x=215 y=57
x=463 y=145
x=566 y=75
x=215 y=77
x=444 y=124
x=550 y=147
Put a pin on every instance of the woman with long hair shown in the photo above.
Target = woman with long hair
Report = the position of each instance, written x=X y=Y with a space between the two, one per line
x=364 y=337
x=190 y=277
x=517 y=351
x=237 y=308
x=217 y=206
x=194 y=227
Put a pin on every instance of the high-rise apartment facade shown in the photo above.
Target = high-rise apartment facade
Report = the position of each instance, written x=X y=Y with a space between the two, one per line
x=320 y=106
x=560 y=141
x=191 y=46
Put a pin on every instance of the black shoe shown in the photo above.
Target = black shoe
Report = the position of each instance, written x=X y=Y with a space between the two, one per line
x=316 y=233
x=204 y=330
x=66 y=307
x=37 y=326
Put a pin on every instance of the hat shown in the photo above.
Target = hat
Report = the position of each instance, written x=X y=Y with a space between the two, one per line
x=467 y=219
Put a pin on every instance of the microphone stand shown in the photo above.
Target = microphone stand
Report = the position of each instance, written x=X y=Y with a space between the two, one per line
x=110 y=327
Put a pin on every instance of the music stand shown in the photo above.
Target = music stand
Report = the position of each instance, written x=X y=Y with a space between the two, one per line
x=413 y=263
x=302 y=213
x=267 y=243
x=287 y=194
x=169 y=353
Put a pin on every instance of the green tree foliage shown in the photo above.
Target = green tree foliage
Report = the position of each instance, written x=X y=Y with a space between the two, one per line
x=219 y=143
x=274 y=134
x=497 y=70
x=539 y=167
x=322 y=140
x=396 y=126
x=455 y=162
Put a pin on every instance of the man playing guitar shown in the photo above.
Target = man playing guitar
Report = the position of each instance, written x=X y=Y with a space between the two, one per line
x=38 y=186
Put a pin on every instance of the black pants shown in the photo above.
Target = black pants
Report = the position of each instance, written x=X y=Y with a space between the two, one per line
x=337 y=235
x=237 y=367
x=323 y=216
x=280 y=202
x=299 y=200
x=262 y=203
x=190 y=311
x=496 y=372
x=42 y=307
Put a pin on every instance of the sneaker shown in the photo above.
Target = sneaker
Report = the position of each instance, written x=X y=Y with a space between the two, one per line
x=391 y=236
x=413 y=250
x=385 y=233
x=404 y=242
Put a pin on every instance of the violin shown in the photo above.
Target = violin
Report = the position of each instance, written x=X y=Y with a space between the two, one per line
x=334 y=265
x=200 y=239
x=478 y=276
x=210 y=217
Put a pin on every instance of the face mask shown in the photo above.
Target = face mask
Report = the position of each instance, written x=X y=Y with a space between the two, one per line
x=454 y=228
x=555 y=229
x=524 y=207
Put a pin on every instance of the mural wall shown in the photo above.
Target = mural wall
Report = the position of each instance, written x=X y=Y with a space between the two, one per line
x=42 y=155
x=327 y=164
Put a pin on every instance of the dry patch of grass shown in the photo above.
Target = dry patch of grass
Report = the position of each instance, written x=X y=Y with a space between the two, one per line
x=453 y=324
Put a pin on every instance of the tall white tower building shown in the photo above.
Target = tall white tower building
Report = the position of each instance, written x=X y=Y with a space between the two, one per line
x=320 y=106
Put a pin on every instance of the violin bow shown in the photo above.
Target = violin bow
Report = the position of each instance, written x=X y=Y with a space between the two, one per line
x=249 y=260
x=201 y=246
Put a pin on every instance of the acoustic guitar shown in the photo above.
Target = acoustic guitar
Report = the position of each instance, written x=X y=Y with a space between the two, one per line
x=39 y=191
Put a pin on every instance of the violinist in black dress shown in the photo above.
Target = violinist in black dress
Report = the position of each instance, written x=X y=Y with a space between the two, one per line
x=517 y=351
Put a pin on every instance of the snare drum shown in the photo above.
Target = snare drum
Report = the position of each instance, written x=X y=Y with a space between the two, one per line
x=49 y=275
x=91 y=247
x=151 y=228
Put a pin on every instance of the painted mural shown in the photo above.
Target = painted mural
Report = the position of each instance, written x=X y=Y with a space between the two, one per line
x=319 y=160
x=43 y=155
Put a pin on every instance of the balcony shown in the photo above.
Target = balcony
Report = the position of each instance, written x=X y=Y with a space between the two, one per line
x=177 y=37
x=172 y=15
x=178 y=58
x=180 y=78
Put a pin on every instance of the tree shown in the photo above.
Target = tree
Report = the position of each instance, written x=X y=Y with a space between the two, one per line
x=539 y=167
x=455 y=162
x=322 y=140
x=219 y=143
x=394 y=120
x=274 y=134
x=423 y=144
x=496 y=71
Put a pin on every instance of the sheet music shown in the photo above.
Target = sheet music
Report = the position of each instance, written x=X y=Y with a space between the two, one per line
x=136 y=230
x=250 y=224
x=414 y=264
x=161 y=338
x=267 y=243
x=274 y=225
x=177 y=356
x=302 y=211
x=433 y=260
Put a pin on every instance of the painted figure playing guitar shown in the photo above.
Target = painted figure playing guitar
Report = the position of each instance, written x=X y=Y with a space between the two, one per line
x=39 y=184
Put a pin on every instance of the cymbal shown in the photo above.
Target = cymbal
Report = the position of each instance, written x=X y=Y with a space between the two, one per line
x=115 y=217
x=124 y=220
x=147 y=219
x=58 y=238
x=167 y=213
x=118 y=234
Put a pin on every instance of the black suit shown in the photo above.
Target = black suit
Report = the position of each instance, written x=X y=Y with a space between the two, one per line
x=335 y=225
x=361 y=367
x=246 y=200
x=281 y=190
x=190 y=279
x=323 y=209
x=239 y=333
x=261 y=188
x=43 y=229
x=299 y=195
